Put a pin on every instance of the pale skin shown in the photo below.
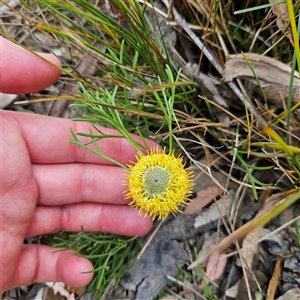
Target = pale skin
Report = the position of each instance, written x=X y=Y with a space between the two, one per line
x=48 y=184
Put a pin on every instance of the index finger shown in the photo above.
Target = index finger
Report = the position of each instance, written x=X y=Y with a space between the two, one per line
x=47 y=140
x=23 y=72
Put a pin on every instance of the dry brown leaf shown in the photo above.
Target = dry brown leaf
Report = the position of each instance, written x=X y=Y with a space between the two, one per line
x=282 y=20
x=269 y=70
x=274 y=76
x=216 y=264
x=249 y=256
x=203 y=198
x=274 y=280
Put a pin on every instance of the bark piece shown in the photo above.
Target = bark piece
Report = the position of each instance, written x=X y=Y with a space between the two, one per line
x=274 y=76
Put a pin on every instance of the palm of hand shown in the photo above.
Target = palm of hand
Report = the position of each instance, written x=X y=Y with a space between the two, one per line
x=19 y=195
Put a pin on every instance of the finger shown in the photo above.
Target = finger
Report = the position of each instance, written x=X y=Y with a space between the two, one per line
x=22 y=72
x=39 y=263
x=47 y=140
x=115 y=219
x=73 y=183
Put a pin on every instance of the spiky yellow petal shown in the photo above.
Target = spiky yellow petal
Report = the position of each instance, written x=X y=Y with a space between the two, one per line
x=158 y=183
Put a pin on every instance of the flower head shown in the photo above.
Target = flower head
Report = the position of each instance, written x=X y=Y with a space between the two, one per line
x=158 y=183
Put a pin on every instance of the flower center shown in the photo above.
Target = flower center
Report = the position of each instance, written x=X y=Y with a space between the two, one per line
x=156 y=181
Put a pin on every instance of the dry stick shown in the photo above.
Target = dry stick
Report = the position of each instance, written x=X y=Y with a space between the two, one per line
x=213 y=61
x=150 y=239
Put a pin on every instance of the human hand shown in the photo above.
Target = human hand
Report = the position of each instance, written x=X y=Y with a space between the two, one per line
x=48 y=184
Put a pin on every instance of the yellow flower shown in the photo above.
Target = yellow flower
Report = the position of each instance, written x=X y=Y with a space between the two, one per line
x=158 y=183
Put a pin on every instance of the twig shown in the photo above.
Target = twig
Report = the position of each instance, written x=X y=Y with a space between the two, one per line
x=150 y=239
